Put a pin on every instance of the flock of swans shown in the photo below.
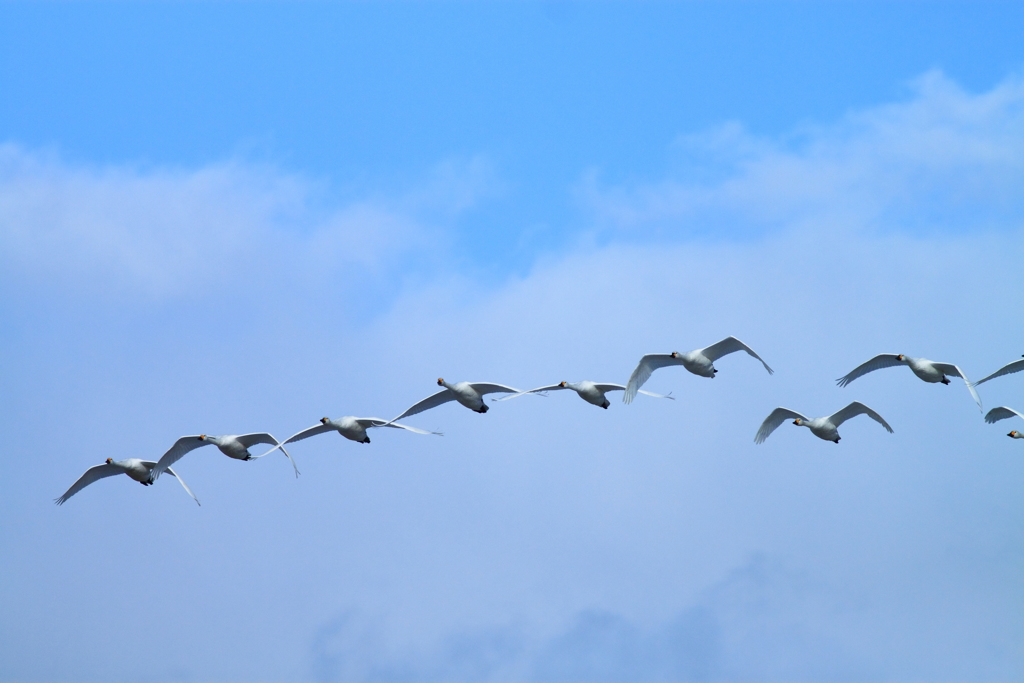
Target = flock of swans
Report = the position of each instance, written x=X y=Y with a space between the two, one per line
x=471 y=395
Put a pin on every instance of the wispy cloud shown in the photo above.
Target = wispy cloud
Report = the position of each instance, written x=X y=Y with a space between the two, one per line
x=943 y=160
x=169 y=232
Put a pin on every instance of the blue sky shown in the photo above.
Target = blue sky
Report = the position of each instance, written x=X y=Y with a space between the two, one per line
x=232 y=217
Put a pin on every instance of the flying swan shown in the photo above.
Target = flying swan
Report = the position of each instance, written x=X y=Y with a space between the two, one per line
x=826 y=428
x=1001 y=413
x=469 y=394
x=1008 y=369
x=591 y=392
x=699 y=362
x=353 y=428
x=236 y=447
x=928 y=370
x=139 y=470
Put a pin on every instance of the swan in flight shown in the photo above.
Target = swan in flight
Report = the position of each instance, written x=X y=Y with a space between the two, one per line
x=699 y=362
x=353 y=428
x=591 y=392
x=1008 y=369
x=139 y=470
x=236 y=447
x=469 y=394
x=826 y=428
x=1001 y=413
x=928 y=370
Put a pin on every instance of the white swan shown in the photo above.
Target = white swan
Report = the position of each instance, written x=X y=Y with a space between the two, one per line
x=591 y=392
x=139 y=470
x=826 y=428
x=928 y=370
x=236 y=447
x=1008 y=369
x=469 y=394
x=699 y=362
x=1001 y=413
x=353 y=428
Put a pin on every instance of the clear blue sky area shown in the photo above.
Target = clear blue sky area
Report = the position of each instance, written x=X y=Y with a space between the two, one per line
x=223 y=218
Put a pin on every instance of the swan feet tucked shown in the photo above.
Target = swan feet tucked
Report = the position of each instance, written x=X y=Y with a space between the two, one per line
x=944 y=380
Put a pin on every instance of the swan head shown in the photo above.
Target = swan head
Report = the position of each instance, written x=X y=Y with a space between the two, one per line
x=440 y=381
x=562 y=384
x=900 y=357
x=324 y=420
x=798 y=422
x=1012 y=435
x=203 y=437
x=675 y=354
x=110 y=460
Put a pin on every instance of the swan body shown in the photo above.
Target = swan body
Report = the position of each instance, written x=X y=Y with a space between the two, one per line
x=826 y=428
x=469 y=394
x=1008 y=369
x=233 y=446
x=352 y=428
x=928 y=370
x=591 y=392
x=1001 y=413
x=139 y=470
x=700 y=362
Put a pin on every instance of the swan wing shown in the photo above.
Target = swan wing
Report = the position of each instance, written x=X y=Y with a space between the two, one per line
x=1008 y=369
x=432 y=401
x=618 y=387
x=182 y=482
x=299 y=436
x=882 y=360
x=647 y=365
x=248 y=440
x=1001 y=413
x=92 y=474
x=491 y=388
x=772 y=422
x=378 y=422
x=181 y=447
x=950 y=369
x=853 y=410
x=538 y=390
x=731 y=345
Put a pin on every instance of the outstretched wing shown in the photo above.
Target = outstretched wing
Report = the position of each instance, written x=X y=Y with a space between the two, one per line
x=92 y=474
x=304 y=434
x=183 y=484
x=249 y=440
x=853 y=410
x=772 y=422
x=647 y=365
x=491 y=388
x=882 y=360
x=950 y=369
x=731 y=345
x=432 y=401
x=1008 y=369
x=538 y=390
x=175 y=453
x=618 y=387
x=1001 y=413
x=377 y=422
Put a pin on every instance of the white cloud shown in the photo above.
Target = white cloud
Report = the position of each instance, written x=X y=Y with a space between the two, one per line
x=945 y=159
x=168 y=232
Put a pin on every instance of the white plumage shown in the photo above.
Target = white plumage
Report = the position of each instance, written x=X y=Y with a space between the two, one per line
x=927 y=370
x=699 y=362
x=826 y=428
x=139 y=470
